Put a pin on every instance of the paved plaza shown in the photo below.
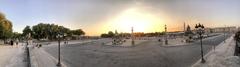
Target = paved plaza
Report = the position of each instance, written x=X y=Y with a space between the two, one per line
x=145 y=55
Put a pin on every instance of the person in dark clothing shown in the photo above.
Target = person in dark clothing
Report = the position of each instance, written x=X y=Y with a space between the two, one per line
x=11 y=42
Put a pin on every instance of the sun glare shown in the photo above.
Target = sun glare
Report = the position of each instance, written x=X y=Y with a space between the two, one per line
x=141 y=21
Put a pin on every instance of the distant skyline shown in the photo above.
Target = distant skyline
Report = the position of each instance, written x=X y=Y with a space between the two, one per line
x=100 y=16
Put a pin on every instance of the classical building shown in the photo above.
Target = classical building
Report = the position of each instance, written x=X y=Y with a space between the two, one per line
x=230 y=29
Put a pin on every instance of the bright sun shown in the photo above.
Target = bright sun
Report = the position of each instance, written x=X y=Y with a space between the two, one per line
x=141 y=21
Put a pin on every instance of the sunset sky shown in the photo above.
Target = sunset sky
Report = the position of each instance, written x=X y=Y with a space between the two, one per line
x=99 y=16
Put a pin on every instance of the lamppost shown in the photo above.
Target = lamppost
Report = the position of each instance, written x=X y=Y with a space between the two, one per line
x=200 y=31
x=132 y=36
x=166 y=35
x=59 y=41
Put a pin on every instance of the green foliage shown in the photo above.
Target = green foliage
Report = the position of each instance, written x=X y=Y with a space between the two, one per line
x=104 y=35
x=111 y=34
x=16 y=35
x=50 y=31
x=27 y=30
x=108 y=35
x=2 y=16
x=5 y=27
x=78 y=32
x=154 y=34
x=188 y=31
x=138 y=34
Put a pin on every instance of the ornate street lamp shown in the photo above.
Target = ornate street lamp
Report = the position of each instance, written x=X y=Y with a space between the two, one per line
x=59 y=36
x=200 y=31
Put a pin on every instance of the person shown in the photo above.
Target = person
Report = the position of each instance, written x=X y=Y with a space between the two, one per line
x=40 y=45
x=11 y=42
x=65 y=42
x=17 y=42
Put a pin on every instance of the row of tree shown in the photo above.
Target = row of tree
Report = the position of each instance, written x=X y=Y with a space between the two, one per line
x=39 y=31
x=110 y=34
x=50 y=31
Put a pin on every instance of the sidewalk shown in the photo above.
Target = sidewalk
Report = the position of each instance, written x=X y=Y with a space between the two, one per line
x=40 y=58
x=222 y=56
x=12 y=56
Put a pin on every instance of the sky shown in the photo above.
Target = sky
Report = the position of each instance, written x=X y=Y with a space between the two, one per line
x=100 y=16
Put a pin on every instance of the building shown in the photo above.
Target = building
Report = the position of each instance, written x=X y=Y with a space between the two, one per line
x=230 y=29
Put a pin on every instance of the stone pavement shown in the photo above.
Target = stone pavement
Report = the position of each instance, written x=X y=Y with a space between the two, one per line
x=221 y=56
x=180 y=41
x=40 y=58
x=128 y=43
x=12 y=56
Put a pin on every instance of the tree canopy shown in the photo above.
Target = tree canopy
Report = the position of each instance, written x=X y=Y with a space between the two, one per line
x=108 y=35
x=188 y=31
x=78 y=32
x=27 y=30
x=50 y=31
x=5 y=27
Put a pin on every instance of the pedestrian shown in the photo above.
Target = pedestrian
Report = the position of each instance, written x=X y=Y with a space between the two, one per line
x=17 y=42
x=11 y=42
x=65 y=42
x=40 y=45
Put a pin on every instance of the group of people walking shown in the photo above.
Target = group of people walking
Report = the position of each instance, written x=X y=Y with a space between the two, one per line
x=12 y=42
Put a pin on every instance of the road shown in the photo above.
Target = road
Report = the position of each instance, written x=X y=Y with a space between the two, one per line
x=147 y=55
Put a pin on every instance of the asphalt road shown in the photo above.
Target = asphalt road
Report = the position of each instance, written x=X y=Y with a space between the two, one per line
x=147 y=55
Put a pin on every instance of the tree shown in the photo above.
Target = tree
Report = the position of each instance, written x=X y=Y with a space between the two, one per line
x=78 y=32
x=27 y=30
x=108 y=35
x=2 y=16
x=38 y=31
x=5 y=27
x=50 y=31
x=111 y=34
x=188 y=31
x=16 y=35
x=104 y=35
